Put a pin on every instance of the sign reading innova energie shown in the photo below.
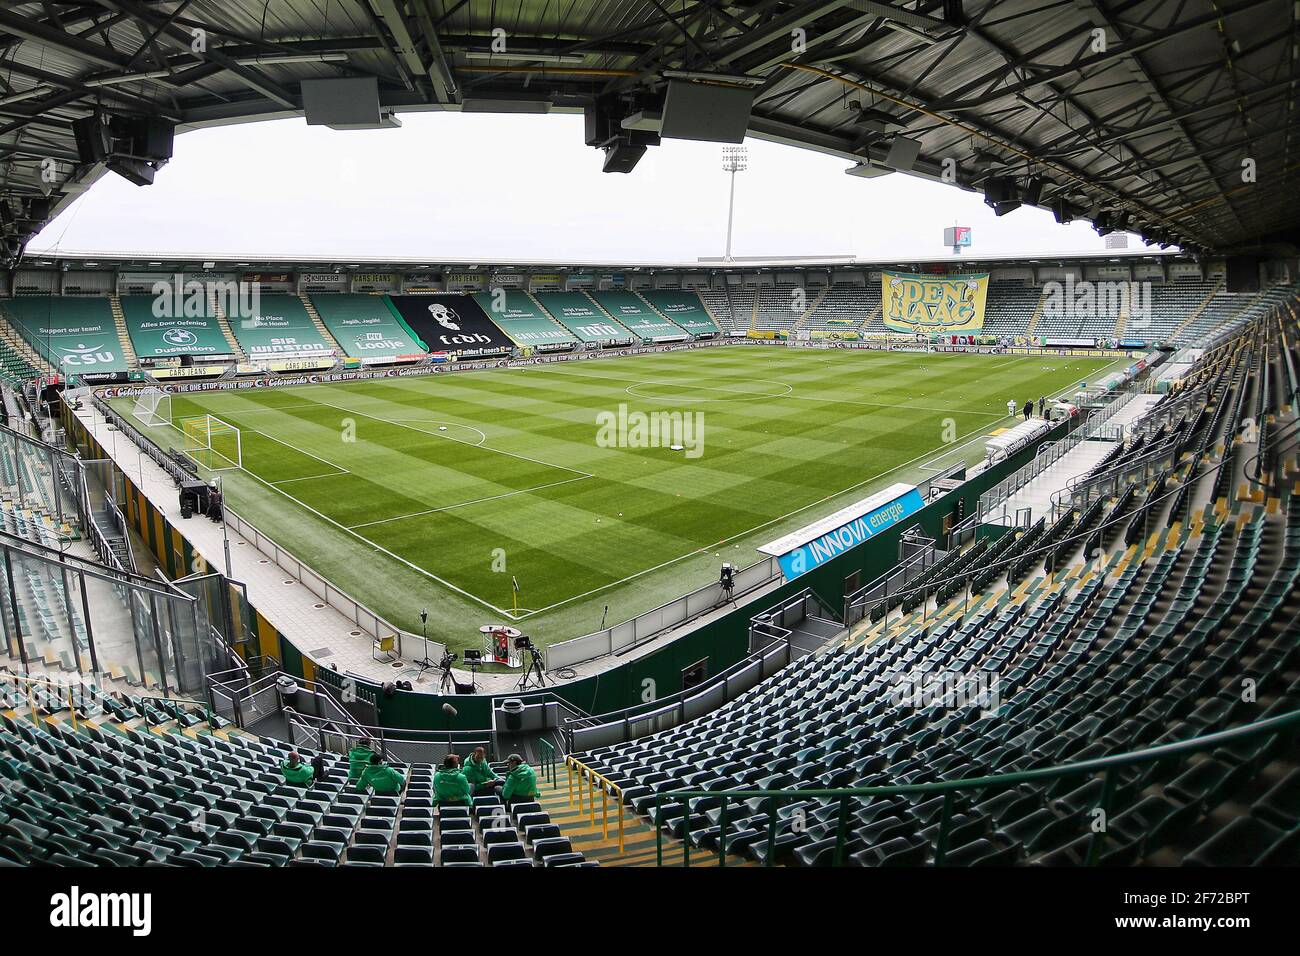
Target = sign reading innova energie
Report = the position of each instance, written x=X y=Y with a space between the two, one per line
x=801 y=551
x=933 y=304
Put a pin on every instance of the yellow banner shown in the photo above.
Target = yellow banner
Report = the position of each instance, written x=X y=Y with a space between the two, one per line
x=933 y=304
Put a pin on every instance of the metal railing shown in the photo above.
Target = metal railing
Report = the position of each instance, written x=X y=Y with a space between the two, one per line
x=356 y=612
x=654 y=623
x=546 y=759
x=591 y=781
x=1108 y=765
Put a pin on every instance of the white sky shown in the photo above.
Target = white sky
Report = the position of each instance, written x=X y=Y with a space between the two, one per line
x=468 y=186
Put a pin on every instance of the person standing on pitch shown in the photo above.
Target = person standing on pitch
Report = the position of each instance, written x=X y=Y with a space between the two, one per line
x=1011 y=406
x=1029 y=409
x=1042 y=406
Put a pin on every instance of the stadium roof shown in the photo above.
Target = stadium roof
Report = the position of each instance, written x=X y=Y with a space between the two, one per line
x=1172 y=118
x=129 y=261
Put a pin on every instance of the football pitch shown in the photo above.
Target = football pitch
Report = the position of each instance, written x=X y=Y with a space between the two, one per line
x=442 y=492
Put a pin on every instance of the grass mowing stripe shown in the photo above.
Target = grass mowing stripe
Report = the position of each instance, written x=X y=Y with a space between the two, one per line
x=433 y=507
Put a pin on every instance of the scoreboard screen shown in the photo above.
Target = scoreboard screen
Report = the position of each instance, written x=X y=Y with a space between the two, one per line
x=956 y=236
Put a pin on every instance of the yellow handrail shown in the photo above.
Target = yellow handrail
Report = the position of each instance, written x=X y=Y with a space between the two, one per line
x=607 y=787
x=33 y=683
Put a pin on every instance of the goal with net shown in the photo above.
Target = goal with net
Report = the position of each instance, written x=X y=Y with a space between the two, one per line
x=153 y=407
x=212 y=443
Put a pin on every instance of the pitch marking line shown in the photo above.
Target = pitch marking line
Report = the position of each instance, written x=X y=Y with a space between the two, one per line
x=396 y=557
x=285 y=481
x=339 y=468
x=970 y=438
x=758 y=395
x=508 y=454
x=462 y=504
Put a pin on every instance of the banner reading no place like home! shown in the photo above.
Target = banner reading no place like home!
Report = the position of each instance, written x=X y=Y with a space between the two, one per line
x=809 y=547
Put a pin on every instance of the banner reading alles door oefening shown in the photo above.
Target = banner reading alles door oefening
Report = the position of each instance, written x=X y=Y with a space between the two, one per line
x=933 y=304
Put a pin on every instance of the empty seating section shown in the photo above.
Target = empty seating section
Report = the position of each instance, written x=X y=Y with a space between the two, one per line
x=683 y=308
x=366 y=326
x=75 y=335
x=1067 y=313
x=14 y=367
x=730 y=308
x=845 y=308
x=636 y=315
x=280 y=330
x=1172 y=304
x=1225 y=313
x=116 y=793
x=154 y=336
x=1147 y=645
x=781 y=305
x=1009 y=307
x=520 y=317
x=579 y=313
x=51 y=627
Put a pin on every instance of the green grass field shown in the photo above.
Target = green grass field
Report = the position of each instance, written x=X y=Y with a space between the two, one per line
x=434 y=492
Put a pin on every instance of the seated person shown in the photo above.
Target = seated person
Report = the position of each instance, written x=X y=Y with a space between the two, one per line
x=297 y=772
x=521 y=782
x=450 y=788
x=480 y=774
x=359 y=759
x=381 y=778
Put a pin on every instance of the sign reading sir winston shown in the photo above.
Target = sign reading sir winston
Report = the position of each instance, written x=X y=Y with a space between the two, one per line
x=933 y=304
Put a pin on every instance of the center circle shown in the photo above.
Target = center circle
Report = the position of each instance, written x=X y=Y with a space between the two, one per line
x=732 y=392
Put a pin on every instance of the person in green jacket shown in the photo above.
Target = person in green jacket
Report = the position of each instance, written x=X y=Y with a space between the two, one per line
x=521 y=782
x=297 y=772
x=480 y=774
x=381 y=778
x=450 y=788
x=359 y=759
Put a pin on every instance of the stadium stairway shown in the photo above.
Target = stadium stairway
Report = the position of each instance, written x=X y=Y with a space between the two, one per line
x=559 y=326
x=1037 y=315
x=223 y=322
x=123 y=335
x=19 y=359
x=316 y=320
x=596 y=835
x=1195 y=313
x=812 y=308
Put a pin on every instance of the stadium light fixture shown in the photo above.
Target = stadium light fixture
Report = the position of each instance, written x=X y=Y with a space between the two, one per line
x=735 y=159
x=526 y=57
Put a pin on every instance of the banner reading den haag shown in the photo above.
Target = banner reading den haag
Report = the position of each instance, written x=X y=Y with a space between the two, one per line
x=933 y=304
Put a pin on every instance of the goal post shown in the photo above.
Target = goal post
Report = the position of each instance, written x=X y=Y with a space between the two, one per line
x=153 y=407
x=212 y=443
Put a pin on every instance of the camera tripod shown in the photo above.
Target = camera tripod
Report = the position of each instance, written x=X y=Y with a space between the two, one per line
x=533 y=674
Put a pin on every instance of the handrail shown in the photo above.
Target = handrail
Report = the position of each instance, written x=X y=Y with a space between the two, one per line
x=948 y=787
x=546 y=759
x=607 y=787
x=53 y=686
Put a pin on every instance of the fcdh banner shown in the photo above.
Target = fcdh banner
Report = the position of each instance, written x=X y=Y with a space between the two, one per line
x=930 y=304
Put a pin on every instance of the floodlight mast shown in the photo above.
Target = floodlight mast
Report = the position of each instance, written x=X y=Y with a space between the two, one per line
x=735 y=159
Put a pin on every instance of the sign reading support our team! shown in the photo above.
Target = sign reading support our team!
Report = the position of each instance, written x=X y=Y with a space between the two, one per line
x=801 y=551
x=933 y=304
